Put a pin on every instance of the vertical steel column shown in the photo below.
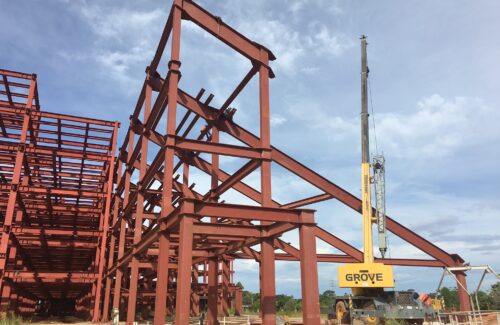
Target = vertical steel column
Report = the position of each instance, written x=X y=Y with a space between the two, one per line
x=309 y=275
x=5 y=302
x=104 y=238
x=463 y=296
x=195 y=294
x=171 y=294
x=267 y=267
x=213 y=263
x=184 y=268
x=112 y=244
x=166 y=203
x=134 y=271
x=162 y=280
x=225 y=301
x=238 y=302
x=213 y=292
x=123 y=228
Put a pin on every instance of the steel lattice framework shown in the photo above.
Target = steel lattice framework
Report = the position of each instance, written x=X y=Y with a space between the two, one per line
x=55 y=191
x=136 y=235
x=165 y=233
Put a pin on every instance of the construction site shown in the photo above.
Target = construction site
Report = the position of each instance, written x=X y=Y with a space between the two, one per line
x=116 y=231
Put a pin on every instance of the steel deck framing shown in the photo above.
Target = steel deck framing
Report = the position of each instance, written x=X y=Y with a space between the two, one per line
x=55 y=189
x=158 y=244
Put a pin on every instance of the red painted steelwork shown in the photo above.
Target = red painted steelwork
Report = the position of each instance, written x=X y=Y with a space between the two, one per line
x=158 y=245
x=55 y=191
x=162 y=220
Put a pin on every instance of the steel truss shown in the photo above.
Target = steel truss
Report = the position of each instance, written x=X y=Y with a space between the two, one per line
x=163 y=230
x=158 y=243
x=55 y=190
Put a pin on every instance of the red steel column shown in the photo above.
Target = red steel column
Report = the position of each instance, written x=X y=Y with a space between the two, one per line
x=213 y=292
x=111 y=167
x=123 y=229
x=267 y=267
x=238 y=302
x=134 y=271
x=309 y=275
x=225 y=287
x=195 y=294
x=166 y=203
x=463 y=296
x=5 y=302
x=112 y=244
x=184 y=270
x=213 y=263
x=162 y=280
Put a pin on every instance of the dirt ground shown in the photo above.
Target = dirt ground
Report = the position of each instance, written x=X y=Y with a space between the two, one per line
x=58 y=321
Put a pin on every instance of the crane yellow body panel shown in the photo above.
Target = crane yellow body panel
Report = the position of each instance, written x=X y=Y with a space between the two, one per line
x=365 y=275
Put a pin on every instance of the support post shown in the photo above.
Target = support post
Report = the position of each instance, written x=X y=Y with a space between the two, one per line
x=225 y=301
x=238 y=302
x=123 y=228
x=463 y=296
x=183 y=294
x=134 y=272
x=213 y=295
x=309 y=275
x=267 y=267
x=109 y=279
x=102 y=258
x=162 y=280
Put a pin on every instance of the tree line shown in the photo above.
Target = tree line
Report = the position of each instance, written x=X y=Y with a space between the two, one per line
x=489 y=300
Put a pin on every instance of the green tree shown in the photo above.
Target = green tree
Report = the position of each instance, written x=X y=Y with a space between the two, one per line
x=251 y=300
x=282 y=301
x=450 y=296
x=327 y=298
x=495 y=296
x=485 y=301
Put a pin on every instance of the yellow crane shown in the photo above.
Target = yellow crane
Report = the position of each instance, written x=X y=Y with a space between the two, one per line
x=369 y=301
x=362 y=277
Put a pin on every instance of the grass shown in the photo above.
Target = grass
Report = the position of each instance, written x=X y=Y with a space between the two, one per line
x=392 y=321
x=10 y=319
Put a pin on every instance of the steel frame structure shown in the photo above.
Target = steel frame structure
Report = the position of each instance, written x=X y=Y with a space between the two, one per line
x=163 y=229
x=154 y=241
x=55 y=191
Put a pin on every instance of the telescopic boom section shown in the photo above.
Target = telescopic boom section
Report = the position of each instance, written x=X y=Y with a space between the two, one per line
x=365 y=159
x=367 y=274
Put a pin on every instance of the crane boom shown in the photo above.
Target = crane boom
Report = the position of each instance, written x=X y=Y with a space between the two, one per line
x=367 y=274
x=365 y=160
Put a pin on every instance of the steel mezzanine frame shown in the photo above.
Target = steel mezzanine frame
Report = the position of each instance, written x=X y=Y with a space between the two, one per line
x=55 y=190
x=177 y=227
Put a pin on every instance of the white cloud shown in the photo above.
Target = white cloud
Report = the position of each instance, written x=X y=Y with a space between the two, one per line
x=118 y=63
x=283 y=41
x=323 y=41
x=121 y=24
x=277 y=120
x=438 y=127
x=122 y=37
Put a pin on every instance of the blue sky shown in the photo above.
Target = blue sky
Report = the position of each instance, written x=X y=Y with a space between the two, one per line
x=434 y=85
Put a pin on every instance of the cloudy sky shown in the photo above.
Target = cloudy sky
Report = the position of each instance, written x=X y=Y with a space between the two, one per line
x=434 y=86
